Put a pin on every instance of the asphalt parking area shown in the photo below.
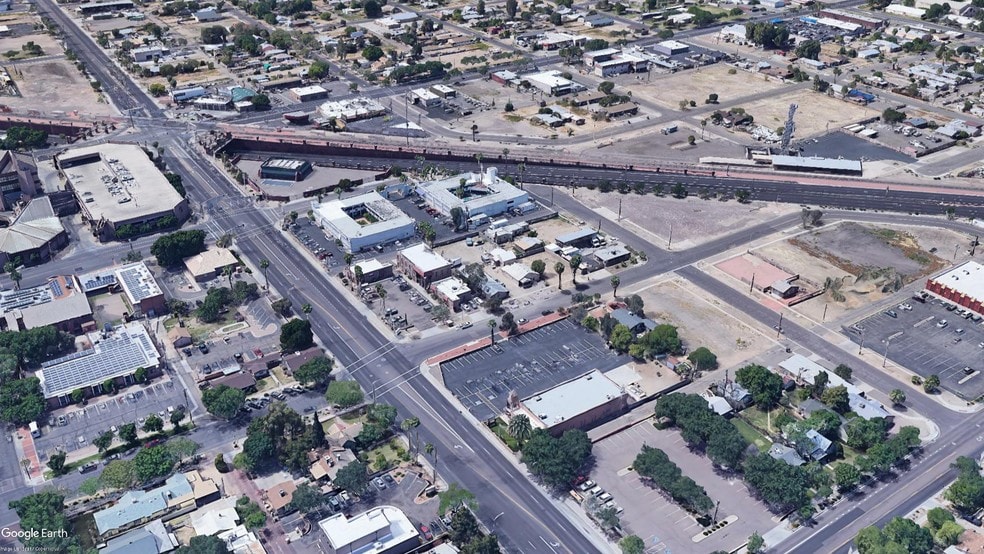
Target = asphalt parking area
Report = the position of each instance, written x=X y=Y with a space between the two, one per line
x=409 y=304
x=84 y=423
x=662 y=524
x=529 y=363
x=222 y=354
x=915 y=339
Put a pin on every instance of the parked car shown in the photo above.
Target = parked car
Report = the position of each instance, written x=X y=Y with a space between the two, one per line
x=426 y=532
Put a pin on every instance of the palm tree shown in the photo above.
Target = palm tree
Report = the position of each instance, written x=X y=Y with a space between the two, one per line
x=429 y=449
x=227 y=272
x=492 y=326
x=897 y=396
x=264 y=266
x=225 y=241
x=522 y=169
x=408 y=425
x=15 y=276
x=559 y=268
x=381 y=291
x=575 y=263
x=306 y=308
x=520 y=428
x=615 y=281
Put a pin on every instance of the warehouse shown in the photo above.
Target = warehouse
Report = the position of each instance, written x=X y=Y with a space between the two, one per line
x=103 y=7
x=552 y=83
x=364 y=221
x=481 y=193
x=283 y=169
x=118 y=188
x=816 y=165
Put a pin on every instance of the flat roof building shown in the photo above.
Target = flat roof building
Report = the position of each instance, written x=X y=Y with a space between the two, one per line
x=60 y=303
x=581 y=237
x=963 y=285
x=117 y=185
x=380 y=530
x=422 y=265
x=352 y=109
x=452 y=291
x=817 y=165
x=372 y=270
x=364 y=221
x=308 y=93
x=116 y=355
x=210 y=263
x=553 y=83
x=576 y=404
x=284 y=169
x=141 y=290
x=481 y=193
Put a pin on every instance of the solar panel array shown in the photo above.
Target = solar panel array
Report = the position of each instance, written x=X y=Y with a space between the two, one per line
x=112 y=357
x=96 y=282
x=140 y=284
x=16 y=299
x=56 y=288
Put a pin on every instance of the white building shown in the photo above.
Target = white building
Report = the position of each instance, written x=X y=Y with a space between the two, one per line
x=361 y=222
x=425 y=97
x=552 y=83
x=481 y=193
x=381 y=530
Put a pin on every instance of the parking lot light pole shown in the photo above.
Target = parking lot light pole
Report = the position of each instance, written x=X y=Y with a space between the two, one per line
x=885 y=357
x=861 y=346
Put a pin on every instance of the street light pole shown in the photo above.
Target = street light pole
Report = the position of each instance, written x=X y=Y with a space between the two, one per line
x=885 y=357
x=861 y=346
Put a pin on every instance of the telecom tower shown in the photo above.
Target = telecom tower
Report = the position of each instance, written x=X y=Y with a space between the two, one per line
x=787 y=132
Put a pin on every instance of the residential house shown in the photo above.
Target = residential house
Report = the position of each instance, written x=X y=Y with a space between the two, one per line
x=786 y=454
x=296 y=359
x=152 y=538
x=638 y=325
x=736 y=395
x=278 y=497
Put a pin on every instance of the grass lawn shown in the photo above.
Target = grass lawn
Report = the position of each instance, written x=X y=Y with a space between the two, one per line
x=170 y=323
x=850 y=454
x=751 y=434
x=761 y=420
x=501 y=430
x=265 y=383
x=278 y=372
x=391 y=453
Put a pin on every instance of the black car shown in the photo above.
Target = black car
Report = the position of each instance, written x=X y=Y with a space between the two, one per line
x=203 y=347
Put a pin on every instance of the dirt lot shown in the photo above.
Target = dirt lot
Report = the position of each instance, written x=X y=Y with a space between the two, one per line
x=694 y=221
x=695 y=85
x=55 y=86
x=701 y=323
x=816 y=113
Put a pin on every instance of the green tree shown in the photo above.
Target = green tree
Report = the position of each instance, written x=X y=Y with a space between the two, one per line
x=372 y=9
x=844 y=372
x=780 y=485
x=846 y=476
x=128 y=433
x=632 y=544
x=520 y=428
x=559 y=269
x=454 y=498
x=344 y=394
x=354 y=477
x=575 y=263
x=703 y=359
x=156 y=461
x=948 y=534
x=119 y=474
x=173 y=248
x=615 y=282
x=931 y=384
x=264 y=266
x=511 y=7
x=153 y=424
x=908 y=534
x=252 y=516
x=755 y=543
x=464 y=527
x=590 y=323
x=621 y=338
x=837 y=398
x=606 y=87
x=820 y=384
x=56 y=463
x=223 y=401
x=764 y=386
x=539 y=267
x=296 y=335
x=372 y=53
x=893 y=116
x=967 y=492
x=316 y=371
x=260 y=101
x=103 y=441
x=862 y=433
x=557 y=461
x=46 y=527
x=21 y=401
x=307 y=499
x=897 y=396
x=809 y=49
x=936 y=517
x=204 y=544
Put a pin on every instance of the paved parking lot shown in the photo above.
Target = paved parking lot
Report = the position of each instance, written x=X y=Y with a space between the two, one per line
x=409 y=303
x=917 y=340
x=221 y=354
x=528 y=363
x=664 y=526
x=84 y=423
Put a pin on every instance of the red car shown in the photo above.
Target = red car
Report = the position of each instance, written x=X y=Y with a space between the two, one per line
x=425 y=530
x=258 y=352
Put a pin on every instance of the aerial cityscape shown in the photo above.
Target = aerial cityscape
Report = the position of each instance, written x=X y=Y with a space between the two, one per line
x=491 y=276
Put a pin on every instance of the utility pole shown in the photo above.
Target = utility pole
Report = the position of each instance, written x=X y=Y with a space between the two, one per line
x=779 y=327
x=824 y=318
x=619 y=209
x=669 y=241
x=751 y=286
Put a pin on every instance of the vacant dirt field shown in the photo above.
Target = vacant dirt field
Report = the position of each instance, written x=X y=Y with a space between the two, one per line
x=703 y=323
x=816 y=112
x=696 y=85
x=54 y=86
x=693 y=221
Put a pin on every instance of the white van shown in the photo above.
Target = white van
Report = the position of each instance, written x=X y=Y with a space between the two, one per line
x=35 y=432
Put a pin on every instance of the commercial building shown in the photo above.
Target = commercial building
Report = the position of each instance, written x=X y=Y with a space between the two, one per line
x=243 y=380
x=210 y=263
x=104 y=7
x=308 y=93
x=294 y=360
x=850 y=17
x=552 y=83
x=555 y=41
x=817 y=165
x=188 y=93
x=364 y=221
x=422 y=265
x=612 y=61
x=18 y=179
x=671 y=48
x=142 y=293
x=206 y=15
x=34 y=236
x=481 y=193
x=279 y=497
x=118 y=187
x=443 y=91
x=372 y=270
x=351 y=110
x=152 y=538
x=136 y=507
x=521 y=273
x=380 y=530
x=611 y=255
x=60 y=303
x=283 y=169
x=425 y=97
x=111 y=355
x=578 y=403
x=452 y=291
x=804 y=370
x=149 y=53
x=577 y=239
x=963 y=285
x=598 y=20
x=637 y=325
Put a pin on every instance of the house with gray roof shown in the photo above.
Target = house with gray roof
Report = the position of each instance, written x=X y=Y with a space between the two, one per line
x=636 y=324
x=135 y=507
x=152 y=538
x=789 y=455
